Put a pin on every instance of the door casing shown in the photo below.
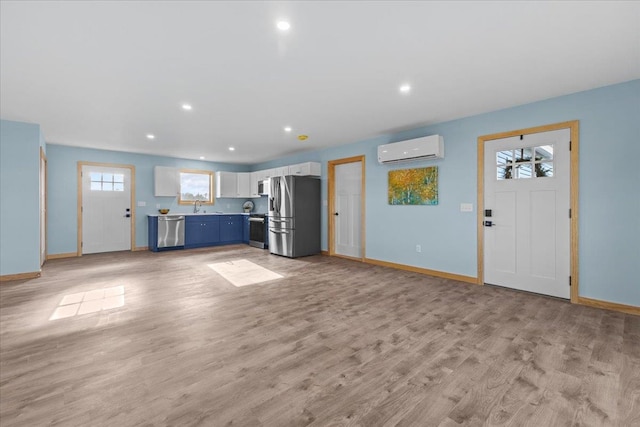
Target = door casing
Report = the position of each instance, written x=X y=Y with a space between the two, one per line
x=331 y=165
x=132 y=201
x=43 y=208
x=573 y=195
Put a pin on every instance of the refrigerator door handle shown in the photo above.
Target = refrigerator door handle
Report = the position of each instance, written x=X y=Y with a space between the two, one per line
x=279 y=231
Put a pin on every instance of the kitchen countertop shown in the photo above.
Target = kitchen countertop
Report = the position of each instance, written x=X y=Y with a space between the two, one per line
x=199 y=213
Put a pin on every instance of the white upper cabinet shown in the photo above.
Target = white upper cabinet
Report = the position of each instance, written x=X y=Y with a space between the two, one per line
x=305 y=169
x=244 y=184
x=233 y=184
x=281 y=171
x=226 y=184
x=166 y=181
x=264 y=174
x=268 y=173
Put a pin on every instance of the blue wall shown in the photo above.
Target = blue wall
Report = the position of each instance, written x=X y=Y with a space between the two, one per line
x=609 y=192
x=20 y=201
x=62 y=194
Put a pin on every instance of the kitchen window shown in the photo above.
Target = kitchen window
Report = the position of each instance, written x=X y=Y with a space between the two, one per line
x=195 y=185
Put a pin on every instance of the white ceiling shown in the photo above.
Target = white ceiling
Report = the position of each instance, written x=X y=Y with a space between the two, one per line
x=104 y=74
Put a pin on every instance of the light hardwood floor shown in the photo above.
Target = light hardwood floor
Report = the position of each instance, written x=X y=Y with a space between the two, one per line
x=334 y=342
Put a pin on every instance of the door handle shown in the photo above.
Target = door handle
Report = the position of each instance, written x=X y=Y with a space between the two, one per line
x=127 y=216
x=336 y=213
x=489 y=223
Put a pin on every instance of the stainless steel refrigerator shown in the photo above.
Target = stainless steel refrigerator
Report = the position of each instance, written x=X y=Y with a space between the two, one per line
x=294 y=216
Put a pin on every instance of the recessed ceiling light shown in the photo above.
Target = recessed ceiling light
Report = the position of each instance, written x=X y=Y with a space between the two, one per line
x=287 y=129
x=151 y=136
x=201 y=157
x=405 y=88
x=187 y=107
x=232 y=149
x=283 y=25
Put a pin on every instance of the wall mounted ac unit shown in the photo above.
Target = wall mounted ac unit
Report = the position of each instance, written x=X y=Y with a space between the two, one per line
x=425 y=148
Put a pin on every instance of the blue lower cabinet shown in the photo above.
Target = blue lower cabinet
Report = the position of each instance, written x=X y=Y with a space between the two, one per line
x=231 y=228
x=245 y=229
x=152 y=233
x=201 y=230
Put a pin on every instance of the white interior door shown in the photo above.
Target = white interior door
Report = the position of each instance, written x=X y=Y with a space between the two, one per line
x=348 y=192
x=527 y=223
x=106 y=209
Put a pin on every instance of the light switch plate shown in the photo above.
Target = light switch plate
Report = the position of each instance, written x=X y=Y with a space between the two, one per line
x=142 y=203
x=466 y=207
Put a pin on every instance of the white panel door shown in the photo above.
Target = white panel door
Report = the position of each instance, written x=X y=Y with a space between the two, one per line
x=527 y=231
x=348 y=191
x=106 y=209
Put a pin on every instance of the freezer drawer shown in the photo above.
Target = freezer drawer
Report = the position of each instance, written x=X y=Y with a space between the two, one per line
x=281 y=241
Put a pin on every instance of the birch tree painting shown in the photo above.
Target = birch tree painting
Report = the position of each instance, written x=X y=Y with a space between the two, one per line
x=414 y=186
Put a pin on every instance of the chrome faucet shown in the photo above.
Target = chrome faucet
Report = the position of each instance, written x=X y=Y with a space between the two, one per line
x=196 y=206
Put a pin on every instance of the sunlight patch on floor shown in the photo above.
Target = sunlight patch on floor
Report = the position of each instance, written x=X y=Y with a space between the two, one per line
x=243 y=272
x=89 y=302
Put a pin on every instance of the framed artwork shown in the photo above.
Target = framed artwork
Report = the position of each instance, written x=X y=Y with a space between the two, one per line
x=414 y=186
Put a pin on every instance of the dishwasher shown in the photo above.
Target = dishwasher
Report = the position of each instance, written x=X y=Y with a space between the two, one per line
x=170 y=231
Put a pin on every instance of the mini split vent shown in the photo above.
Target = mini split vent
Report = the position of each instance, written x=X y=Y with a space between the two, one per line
x=425 y=148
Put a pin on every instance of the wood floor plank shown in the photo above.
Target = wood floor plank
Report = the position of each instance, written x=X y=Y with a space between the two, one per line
x=334 y=342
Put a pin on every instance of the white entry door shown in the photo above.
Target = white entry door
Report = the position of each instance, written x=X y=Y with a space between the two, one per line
x=527 y=223
x=106 y=209
x=348 y=192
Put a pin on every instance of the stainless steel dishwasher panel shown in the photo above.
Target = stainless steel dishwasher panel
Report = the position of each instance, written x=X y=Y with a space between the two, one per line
x=170 y=231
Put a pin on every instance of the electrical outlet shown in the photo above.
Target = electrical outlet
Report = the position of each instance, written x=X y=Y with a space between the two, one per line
x=418 y=248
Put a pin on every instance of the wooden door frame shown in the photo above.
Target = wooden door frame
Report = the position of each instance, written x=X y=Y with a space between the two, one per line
x=331 y=166
x=132 y=170
x=43 y=158
x=574 y=145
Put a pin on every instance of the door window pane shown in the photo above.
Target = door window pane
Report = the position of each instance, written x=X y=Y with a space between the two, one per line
x=526 y=162
x=544 y=153
x=503 y=157
x=505 y=172
x=544 y=170
x=106 y=181
x=523 y=170
x=523 y=154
